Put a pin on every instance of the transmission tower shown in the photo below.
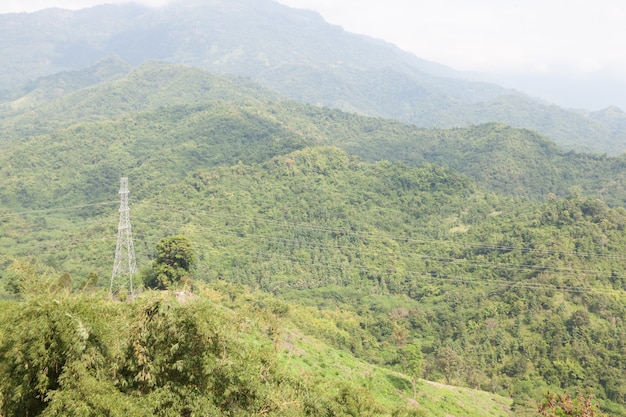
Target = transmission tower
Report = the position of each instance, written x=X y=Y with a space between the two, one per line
x=124 y=265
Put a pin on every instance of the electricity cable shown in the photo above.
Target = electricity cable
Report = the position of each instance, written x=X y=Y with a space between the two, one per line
x=343 y=232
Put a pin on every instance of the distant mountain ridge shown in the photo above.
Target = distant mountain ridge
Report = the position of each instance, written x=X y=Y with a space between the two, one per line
x=292 y=51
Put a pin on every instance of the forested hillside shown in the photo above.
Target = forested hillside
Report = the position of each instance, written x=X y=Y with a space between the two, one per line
x=291 y=51
x=202 y=118
x=485 y=249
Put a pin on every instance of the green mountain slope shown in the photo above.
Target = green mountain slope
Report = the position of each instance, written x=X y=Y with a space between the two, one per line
x=292 y=51
x=504 y=159
x=196 y=116
x=46 y=89
x=148 y=87
x=503 y=294
x=84 y=162
x=614 y=120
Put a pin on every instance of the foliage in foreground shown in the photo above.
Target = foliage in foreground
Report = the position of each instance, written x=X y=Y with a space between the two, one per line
x=84 y=355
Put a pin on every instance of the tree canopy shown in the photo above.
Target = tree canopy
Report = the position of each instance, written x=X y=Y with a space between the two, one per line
x=173 y=264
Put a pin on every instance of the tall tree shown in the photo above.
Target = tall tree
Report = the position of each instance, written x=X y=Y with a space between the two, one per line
x=413 y=359
x=173 y=264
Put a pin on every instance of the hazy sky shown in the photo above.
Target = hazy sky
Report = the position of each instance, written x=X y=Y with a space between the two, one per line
x=577 y=38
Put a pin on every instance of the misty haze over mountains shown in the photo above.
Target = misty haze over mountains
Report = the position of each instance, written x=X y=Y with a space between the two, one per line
x=294 y=52
x=591 y=92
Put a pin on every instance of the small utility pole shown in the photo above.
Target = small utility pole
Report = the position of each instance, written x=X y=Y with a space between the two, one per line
x=125 y=264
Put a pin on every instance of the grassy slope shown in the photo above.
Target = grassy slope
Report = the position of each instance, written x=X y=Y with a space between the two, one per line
x=307 y=355
x=389 y=387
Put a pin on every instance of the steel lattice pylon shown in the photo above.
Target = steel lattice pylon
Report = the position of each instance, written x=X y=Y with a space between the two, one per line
x=125 y=264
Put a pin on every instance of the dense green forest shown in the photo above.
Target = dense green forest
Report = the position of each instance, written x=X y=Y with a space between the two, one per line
x=214 y=117
x=488 y=250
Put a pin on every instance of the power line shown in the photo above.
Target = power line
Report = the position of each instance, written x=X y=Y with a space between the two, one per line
x=48 y=210
x=285 y=224
x=404 y=255
x=310 y=245
x=466 y=280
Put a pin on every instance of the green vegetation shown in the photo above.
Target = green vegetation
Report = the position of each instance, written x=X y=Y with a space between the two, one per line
x=477 y=257
x=173 y=264
x=412 y=361
x=115 y=122
x=211 y=354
